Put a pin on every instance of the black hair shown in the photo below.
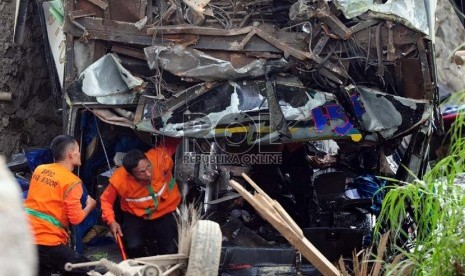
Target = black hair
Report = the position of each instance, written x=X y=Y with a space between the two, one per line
x=59 y=146
x=132 y=158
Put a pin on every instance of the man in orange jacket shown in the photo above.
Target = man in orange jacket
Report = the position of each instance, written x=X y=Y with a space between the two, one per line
x=149 y=197
x=53 y=203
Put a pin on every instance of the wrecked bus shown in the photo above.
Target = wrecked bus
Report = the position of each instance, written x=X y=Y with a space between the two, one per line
x=313 y=99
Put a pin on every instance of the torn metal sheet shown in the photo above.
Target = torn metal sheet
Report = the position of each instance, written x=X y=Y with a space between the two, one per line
x=187 y=62
x=413 y=13
x=108 y=81
x=233 y=109
x=389 y=115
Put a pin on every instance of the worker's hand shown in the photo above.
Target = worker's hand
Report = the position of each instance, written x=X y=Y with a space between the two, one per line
x=90 y=203
x=115 y=229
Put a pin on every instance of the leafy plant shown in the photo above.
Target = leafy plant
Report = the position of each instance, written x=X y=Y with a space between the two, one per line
x=436 y=206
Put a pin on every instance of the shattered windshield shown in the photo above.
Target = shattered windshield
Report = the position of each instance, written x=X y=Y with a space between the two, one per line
x=284 y=70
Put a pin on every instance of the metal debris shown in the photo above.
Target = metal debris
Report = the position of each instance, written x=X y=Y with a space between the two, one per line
x=109 y=81
x=289 y=78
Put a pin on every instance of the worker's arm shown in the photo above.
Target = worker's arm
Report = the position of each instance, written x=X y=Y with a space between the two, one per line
x=73 y=206
x=107 y=199
x=171 y=144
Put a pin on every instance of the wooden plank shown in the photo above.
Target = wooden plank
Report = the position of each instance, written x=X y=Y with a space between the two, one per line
x=287 y=218
x=255 y=186
x=296 y=231
x=275 y=205
x=249 y=197
x=306 y=248
x=267 y=209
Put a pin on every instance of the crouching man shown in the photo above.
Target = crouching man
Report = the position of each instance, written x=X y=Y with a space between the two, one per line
x=149 y=197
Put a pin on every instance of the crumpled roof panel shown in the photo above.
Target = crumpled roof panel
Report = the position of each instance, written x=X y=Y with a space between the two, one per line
x=301 y=62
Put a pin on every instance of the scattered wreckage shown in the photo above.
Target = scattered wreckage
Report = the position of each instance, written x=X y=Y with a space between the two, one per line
x=314 y=99
x=203 y=246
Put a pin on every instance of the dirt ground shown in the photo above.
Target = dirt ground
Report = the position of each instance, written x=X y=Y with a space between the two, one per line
x=31 y=121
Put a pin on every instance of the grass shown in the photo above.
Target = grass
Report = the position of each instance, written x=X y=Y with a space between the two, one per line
x=365 y=262
x=188 y=217
x=436 y=205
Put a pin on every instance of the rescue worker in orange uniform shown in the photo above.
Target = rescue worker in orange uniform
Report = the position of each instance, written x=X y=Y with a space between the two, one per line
x=149 y=197
x=53 y=203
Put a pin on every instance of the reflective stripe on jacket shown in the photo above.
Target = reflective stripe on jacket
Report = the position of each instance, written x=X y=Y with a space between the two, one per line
x=45 y=204
x=151 y=201
x=45 y=217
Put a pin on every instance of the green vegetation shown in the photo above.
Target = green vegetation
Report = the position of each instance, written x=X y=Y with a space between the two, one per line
x=436 y=205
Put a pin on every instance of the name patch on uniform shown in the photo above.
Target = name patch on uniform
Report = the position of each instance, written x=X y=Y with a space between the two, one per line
x=44 y=177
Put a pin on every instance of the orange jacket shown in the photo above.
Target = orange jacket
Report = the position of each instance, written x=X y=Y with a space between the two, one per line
x=151 y=201
x=53 y=202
